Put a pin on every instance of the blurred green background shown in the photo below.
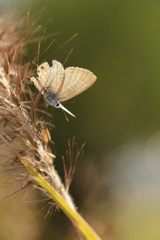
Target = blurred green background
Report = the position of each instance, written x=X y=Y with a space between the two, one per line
x=118 y=117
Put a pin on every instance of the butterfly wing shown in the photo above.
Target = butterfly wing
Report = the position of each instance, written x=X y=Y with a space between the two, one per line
x=49 y=78
x=76 y=81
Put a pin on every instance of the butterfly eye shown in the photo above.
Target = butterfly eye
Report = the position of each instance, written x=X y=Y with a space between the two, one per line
x=57 y=104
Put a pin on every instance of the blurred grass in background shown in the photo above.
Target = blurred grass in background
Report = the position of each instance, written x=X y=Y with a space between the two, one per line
x=116 y=186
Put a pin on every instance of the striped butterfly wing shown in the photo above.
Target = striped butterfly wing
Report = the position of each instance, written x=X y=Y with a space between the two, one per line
x=76 y=81
x=49 y=78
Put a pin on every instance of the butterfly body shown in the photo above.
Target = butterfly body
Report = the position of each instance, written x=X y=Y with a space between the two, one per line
x=58 y=85
x=51 y=98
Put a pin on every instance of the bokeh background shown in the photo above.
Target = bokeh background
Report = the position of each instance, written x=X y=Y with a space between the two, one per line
x=117 y=184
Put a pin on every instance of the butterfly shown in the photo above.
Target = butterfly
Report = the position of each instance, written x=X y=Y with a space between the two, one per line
x=57 y=84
